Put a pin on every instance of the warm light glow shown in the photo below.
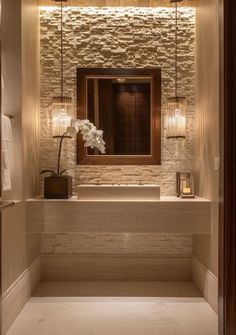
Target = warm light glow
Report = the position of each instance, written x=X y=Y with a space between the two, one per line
x=176 y=119
x=62 y=113
x=187 y=190
x=132 y=10
x=121 y=80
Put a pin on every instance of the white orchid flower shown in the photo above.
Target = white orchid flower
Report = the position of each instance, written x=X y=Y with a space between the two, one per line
x=92 y=136
x=71 y=131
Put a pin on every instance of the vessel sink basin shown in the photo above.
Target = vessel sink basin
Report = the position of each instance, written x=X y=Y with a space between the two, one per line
x=119 y=192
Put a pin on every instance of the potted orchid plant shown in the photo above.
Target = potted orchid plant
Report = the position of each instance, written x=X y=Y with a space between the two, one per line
x=58 y=185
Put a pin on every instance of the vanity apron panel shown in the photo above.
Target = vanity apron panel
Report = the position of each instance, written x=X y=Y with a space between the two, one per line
x=169 y=215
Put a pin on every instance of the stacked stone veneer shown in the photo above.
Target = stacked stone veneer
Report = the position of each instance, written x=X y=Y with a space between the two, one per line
x=118 y=38
x=106 y=243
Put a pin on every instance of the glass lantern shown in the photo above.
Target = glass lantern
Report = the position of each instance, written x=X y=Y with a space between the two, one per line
x=62 y=113
x=184 y=185
x=176 y=119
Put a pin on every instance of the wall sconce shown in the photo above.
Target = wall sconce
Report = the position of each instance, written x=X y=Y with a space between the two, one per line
x=184 y=185
x=177 y=105
x=176 y=117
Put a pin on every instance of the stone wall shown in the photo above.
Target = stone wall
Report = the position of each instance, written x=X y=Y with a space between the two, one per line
x=118 y=37
x=106 y=243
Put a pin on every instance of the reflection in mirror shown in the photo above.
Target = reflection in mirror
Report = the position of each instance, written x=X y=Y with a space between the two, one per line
x=121 y=107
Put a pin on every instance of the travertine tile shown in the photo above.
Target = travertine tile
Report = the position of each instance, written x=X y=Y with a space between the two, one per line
x=73 y=243
x=165 y=216
x=60 y=267
x=148 y=267
x=115 y=267
x=109 y=267
x=123 y=316
x=114 y=288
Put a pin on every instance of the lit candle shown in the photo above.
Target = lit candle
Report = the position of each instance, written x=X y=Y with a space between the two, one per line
x=187 y=190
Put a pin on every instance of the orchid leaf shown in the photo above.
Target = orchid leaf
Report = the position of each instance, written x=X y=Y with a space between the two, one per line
x=47 y=171
x=61 y=173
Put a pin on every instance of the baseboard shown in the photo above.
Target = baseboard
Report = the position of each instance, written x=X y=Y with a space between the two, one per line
x=206 y=282
x=18 y=293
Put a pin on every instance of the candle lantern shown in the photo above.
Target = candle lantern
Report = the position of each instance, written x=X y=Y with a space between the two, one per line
x=184 y=185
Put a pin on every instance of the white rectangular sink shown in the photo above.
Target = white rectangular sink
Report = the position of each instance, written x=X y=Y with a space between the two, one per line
x=119 y=192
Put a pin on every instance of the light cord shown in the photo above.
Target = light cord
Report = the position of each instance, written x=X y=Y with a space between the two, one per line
x=62 y=54
x=176 y=48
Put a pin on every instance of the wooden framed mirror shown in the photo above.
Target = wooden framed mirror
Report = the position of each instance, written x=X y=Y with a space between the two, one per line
x=126 y=105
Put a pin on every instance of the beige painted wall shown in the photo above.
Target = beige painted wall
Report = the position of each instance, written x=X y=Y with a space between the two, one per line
x=20 y=63
x=207 y=117
x=30 y=96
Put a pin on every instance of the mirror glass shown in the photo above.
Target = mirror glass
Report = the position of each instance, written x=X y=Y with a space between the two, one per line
x=121 y=107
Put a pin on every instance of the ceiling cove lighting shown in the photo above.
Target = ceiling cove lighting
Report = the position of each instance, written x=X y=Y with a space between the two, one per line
x=176 y=105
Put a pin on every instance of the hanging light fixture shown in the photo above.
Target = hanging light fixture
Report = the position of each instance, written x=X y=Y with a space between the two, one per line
x=62 y=108
x=176 y=105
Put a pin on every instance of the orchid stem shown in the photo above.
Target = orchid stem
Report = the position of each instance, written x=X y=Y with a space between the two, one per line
x=59 y=153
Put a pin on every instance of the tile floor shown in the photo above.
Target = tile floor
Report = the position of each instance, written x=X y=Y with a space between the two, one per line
x=128 y=315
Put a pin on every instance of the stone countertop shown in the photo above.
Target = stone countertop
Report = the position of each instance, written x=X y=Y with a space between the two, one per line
x=162 y=199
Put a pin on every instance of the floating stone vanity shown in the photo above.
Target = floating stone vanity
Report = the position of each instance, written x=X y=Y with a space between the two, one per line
x=167 y=215
x=117 y=240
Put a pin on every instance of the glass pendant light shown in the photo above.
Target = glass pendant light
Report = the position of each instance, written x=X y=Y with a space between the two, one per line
x=176 y=105
x=62 y=107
